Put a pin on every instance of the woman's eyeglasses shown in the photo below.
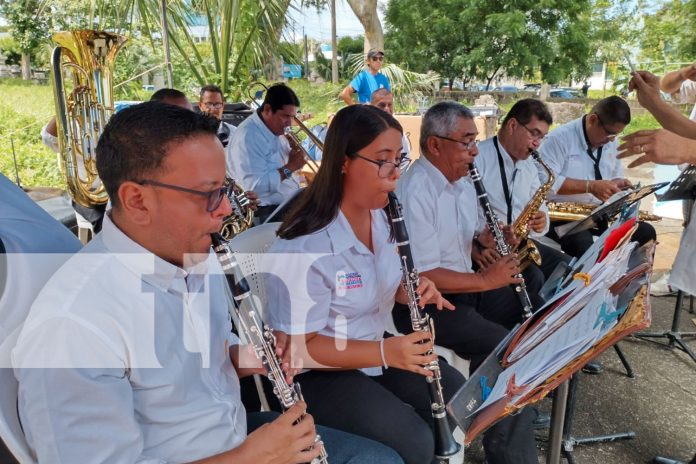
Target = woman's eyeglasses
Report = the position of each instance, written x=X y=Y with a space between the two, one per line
x=386 y=168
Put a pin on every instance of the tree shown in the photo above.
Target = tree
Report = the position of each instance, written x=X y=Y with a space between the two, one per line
x=366 y=11
x=28 y=27
x=244 y=35
x=520 y=39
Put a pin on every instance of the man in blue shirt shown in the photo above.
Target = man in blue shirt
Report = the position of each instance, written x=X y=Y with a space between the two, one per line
x=368 y=80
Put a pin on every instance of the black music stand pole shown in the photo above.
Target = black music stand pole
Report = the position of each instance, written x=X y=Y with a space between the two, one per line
x=683 y=188
x=675 y=338
x=569 y=441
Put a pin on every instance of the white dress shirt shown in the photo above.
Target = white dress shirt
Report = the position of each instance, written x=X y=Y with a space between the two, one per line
x=124 y=359
x=441 y=217
x=229 y=129
x=347 y=292
x=683 y=274
x=564 y=150
x=254 y=158
x=522 y=180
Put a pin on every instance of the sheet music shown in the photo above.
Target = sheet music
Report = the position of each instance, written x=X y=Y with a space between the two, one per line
x=587 y=314
x=561 y=347
x=602 y=276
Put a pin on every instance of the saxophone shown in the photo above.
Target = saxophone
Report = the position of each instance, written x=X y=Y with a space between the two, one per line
x=501 y=245
x=242 y=216
x=527 y=251
x=259 y=334
x=445 y=445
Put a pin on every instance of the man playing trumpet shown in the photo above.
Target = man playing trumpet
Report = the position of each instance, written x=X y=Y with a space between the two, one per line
x=261 y=158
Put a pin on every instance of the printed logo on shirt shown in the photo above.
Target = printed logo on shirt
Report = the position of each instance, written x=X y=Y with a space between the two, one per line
x=347 y=281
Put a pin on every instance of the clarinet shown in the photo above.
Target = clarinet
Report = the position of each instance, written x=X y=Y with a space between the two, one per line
x=500 y=244
x=259 y=334
x=445 y=445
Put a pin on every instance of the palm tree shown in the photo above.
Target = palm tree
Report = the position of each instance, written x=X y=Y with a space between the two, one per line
x=242 y=35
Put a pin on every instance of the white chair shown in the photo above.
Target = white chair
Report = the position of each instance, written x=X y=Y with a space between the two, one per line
x=10 y=428
x=85 y=229
x=249 y=247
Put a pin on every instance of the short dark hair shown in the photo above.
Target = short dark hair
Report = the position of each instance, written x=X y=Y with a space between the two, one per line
x=613 y=110
x=135 y=141
x=441 y=119
x=211 y=88
x=379 y=93
x=352 y=129
x=167 y=94
x=527 y=108
x=279 y=95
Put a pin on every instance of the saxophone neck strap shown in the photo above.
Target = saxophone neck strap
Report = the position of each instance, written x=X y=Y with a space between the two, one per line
x=503 y=179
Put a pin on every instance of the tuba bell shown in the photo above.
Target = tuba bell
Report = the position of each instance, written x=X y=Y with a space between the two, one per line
x=86 y=59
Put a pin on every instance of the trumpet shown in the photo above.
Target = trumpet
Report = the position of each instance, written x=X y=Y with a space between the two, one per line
x=291 y=136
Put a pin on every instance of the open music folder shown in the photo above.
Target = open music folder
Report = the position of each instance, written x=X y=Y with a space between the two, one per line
x=603 y=298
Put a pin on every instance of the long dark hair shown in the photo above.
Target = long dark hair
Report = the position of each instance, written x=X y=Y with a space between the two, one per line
x=352 y=129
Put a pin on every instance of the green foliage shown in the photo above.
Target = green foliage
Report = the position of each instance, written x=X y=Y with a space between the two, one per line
x=28 y=26
x=518 y=39
x=347 y=45
x=10 y=50
x=668 y=34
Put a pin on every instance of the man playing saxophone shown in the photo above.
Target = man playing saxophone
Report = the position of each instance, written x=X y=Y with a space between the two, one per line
x=510 y=176
x=261 y=158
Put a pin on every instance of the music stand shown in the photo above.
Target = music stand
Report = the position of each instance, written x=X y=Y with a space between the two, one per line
x=683 y=188
x=609 y=210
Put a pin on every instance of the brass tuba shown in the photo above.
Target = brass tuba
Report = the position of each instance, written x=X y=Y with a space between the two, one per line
x=527 y=251
x=242 y=216
x=86 y=58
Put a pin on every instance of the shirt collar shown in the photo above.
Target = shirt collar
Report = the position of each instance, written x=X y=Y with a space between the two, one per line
x=342 y=236
x=264 y=131
x=437 y=178
x=145 y=264
x=507 y=158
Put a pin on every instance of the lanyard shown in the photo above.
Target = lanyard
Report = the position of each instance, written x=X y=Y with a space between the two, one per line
x=503 y=179
x=595 y=161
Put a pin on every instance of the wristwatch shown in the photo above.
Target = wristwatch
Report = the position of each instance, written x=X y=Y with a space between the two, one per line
x=286 y=172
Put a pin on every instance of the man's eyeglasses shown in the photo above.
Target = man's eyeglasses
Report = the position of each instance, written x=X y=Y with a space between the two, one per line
x=466 y=145
x=214 y=197
x=609 y=133
x=536 y=134
x=377 y=58
x=213 y=106
x=386 y=168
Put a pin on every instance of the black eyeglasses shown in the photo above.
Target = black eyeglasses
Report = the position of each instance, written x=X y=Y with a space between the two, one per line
x=214 y=197
x=213 y=106
x=377 y=58
x=466 y=145
x=609 y=133
x=536 y=134
x=386 y=168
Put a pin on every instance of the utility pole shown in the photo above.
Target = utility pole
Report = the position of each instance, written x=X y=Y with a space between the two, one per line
x=165 y=44
x=334 y=58
x=306 y=55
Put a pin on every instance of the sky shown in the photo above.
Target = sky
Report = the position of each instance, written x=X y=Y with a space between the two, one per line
x=318 y=25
